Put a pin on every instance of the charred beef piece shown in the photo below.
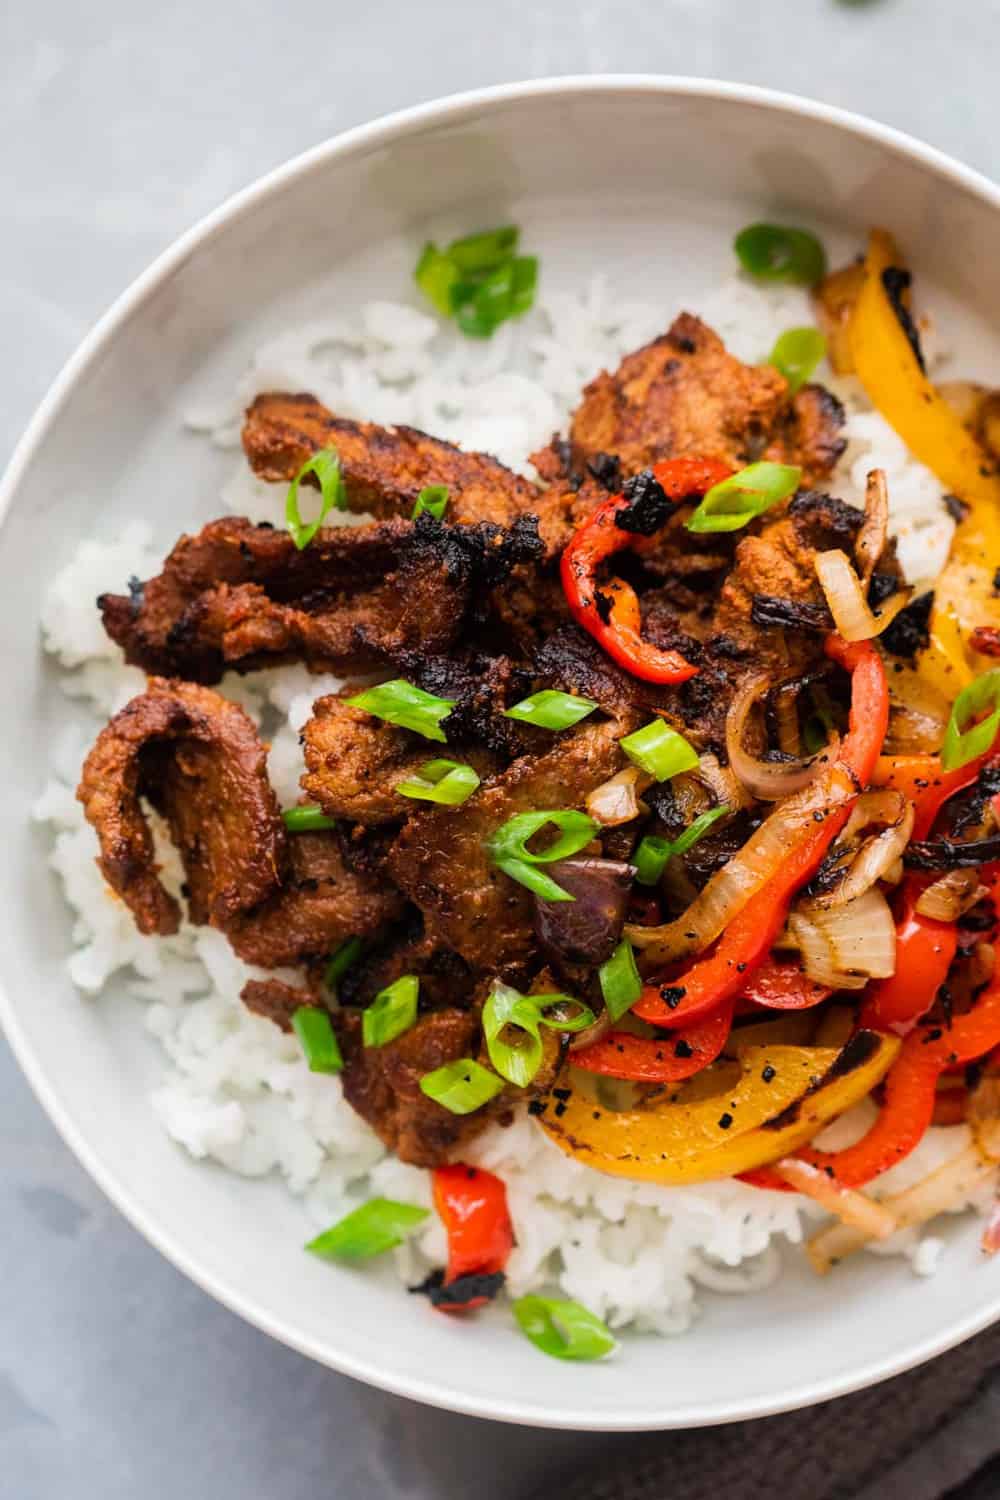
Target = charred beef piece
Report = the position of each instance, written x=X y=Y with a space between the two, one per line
x=383 y=1084
x=241 y=596
x=385 y=468
x=441 y=861
x=809 y=434
x=572 y=662
x=354 y=762
x=277 y=1001
x=445 y=978
x=199 y=760
x=321 y=903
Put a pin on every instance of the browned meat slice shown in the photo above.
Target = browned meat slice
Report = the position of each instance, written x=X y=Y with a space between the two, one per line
x=243 y=596
x=440 y=859
x=445 y=978
x=572 y=662
x=383 y=1084
x=322 y=902
x=199 y=760
x=354 y=762
x=384 y=468
x=275 y=1000
x=685 y=394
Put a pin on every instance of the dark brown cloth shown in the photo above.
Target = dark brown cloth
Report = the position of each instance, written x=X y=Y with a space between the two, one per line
x=918 y=1437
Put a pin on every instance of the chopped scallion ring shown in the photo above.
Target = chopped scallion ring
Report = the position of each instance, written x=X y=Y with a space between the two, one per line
x=620 y=982
x=435 y=275
x=575 y=831
x=433 y=500
x=444 y=781
x=964 y=740
x=744 y=496
x=534 y=879
x=484 y=251
x=377 y=1226
x=796 y=354
x=400 y=702
x=651 y=858
x=552 y=710
x=659 y=750
x=347 y=954
x=479 y=280
x=698 y=828
x=326 y=466
x=392 y=1012
x=462 y=1086
x=307 y=819
x=564 y=1330
x=511 y=1024
x=313 y=1028
x=773 y=252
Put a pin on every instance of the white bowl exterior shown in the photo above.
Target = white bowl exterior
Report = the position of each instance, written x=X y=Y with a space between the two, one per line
x=628 y=168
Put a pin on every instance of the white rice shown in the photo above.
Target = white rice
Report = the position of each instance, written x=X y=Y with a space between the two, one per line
x=235 y=1089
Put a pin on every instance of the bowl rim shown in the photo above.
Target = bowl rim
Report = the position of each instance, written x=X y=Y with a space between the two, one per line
x=383 y=131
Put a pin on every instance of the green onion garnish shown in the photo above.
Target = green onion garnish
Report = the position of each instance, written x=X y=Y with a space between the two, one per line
x=313 y=1029
x=534 y=879
x=743 y=496
x=565 y=1330
x=479 y=280
x=620 y=982
x=796 y=354
x=433 y=499
x=461 y=1086
x=964 y=740
x=307 y=819
x=444 y=781
x=510 y=852
x=697 y=830
x=377 y=1226
x=659 y=750
x=773 y=252
x=400 y=702
x=511 y=1024
x=347 y=954
x=326 y=466
x=552 y=710
x=653 y=854
x=392 y=1012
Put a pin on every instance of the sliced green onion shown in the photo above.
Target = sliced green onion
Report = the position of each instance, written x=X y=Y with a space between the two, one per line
x=484 y=251
x=326 y=466
x=392 y=1012
x=314 y=1031
x=400 y=702
x=347 y=954
x=307 y=819
x=435 y=275
x=461 y=1086
x=444 y=781
x=377 y=1226
x=741 y=497
x=651 y=858
x=697 y=830
x=511 y=1024
x=575 y=831
x=534 y=880
x=620 y=982
x=525 y=284
x=565 y=1330
x=551 y=710
x=482 y=306
x=774 y=252
x=659 y=750
x=433 y=499
x=796 y=354
x=963 y=739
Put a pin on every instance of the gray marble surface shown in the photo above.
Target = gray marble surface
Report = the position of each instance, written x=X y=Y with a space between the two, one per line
x=120 y=124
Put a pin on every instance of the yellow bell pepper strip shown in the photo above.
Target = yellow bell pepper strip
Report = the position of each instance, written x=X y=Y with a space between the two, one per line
x=896 y=385
x=732 y=1117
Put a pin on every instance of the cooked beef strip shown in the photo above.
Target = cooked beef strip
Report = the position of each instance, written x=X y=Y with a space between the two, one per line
x=276 y=1000
x=809 y=434
x=354 y=762
x=198 y=759
x=320 y=904
x=385 y=468
x=445 y=978
x=242 y=596
x=441 y=861
x=383 y=1084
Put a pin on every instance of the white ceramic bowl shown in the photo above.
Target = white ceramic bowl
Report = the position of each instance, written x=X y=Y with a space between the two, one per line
x=648 y=177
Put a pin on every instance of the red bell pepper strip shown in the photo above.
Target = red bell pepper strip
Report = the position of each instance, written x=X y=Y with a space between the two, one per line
x=668 y=1059
x=748 y=939
x=610 y=610
x=472 y=1205
x=925 y=951
x=921 y=779
x=910 y=1095
x=782 y=985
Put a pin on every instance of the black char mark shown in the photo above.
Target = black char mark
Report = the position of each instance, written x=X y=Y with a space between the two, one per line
x=897 y=282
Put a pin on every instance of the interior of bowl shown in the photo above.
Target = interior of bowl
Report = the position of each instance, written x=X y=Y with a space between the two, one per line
x=646 y=182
